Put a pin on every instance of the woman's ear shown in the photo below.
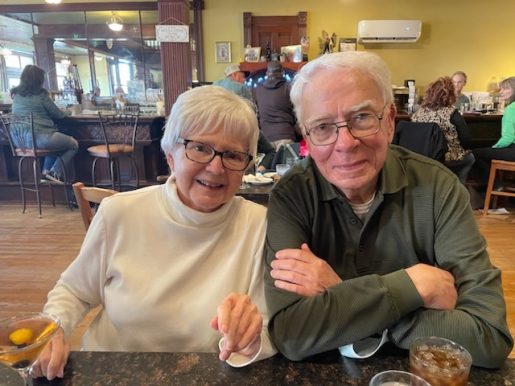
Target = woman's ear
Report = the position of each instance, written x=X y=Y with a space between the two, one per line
x=169 y=160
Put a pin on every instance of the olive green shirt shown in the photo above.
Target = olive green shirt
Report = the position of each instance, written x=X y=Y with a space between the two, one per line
x=421 y=214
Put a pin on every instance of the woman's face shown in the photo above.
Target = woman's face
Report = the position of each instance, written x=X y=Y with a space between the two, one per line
x=505 y=93
x=206 y=187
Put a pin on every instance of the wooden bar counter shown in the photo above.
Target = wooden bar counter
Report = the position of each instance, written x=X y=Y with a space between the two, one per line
x=137 y=369
x=485 y=130
x=86 y=129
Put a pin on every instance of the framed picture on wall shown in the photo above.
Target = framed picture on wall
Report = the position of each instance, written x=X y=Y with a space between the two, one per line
x=252 y=54
x=347 y=44
x=223 y=52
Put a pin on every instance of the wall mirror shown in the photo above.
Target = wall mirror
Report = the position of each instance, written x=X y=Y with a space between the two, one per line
x=80 y=49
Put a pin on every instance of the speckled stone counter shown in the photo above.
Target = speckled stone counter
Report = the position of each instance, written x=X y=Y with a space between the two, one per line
x=135 y=369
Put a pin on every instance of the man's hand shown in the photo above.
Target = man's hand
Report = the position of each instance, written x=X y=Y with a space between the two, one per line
x=300 y=271
x=53 y=358
x=240 y=322
x=435 y=286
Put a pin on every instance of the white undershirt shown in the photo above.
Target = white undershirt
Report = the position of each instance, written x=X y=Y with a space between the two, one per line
x=362 y=209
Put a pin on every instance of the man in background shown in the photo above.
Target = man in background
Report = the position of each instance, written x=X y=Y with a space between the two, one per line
x=235 y=81
x=275 y=111
x=459 y=80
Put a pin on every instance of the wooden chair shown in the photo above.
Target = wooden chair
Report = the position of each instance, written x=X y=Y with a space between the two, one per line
x=20 y=133
x=497 y=165
x=119 y=134
x=85 y=196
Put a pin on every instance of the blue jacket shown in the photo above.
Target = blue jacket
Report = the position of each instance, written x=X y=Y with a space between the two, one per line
x=45 y=111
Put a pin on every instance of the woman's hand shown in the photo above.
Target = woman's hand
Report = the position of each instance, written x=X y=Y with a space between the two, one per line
x=240 y=322
x=53 y=358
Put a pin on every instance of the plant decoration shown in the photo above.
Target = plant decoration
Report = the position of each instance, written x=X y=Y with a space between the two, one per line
x=327 y=42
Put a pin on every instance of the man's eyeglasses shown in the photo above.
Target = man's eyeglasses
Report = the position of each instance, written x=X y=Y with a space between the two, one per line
x=204 y=154
x=359 y=125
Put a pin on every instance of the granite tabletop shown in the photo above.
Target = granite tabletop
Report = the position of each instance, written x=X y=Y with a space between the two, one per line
x=135 y=369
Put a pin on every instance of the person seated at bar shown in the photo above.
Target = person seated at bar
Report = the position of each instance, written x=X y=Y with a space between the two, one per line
x=459 y=80
x=275 y=111
x=369 y=238
x=30 y=97
x=179 y=265
x=95 y=96
x=504 y=148
x=438 y=107
x=235 y=81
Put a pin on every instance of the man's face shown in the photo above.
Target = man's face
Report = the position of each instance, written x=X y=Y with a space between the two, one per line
x=238 y=77
x=350 y=164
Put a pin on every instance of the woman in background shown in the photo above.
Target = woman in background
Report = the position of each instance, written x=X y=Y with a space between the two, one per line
x=438 y=107
x=176 y=267
x=504 y=148
x=30 y=97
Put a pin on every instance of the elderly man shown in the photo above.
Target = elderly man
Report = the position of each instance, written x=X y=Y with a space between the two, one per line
x=459 y=80
x=365 y=237
x=235 y=81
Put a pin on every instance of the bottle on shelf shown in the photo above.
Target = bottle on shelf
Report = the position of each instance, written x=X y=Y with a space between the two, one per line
x=268 y=52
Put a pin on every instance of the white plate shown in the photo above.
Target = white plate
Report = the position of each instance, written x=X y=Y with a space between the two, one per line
x=270 y=174
x=260 y=182
x=257 y=180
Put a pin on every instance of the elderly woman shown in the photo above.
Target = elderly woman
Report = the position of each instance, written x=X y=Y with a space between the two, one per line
x=176 y=267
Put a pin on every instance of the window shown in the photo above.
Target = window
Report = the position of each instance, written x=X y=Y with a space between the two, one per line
x=14 y=65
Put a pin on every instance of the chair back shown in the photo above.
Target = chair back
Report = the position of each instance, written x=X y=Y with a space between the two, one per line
x=119 y=131
x=86 y=195
x=424 y=138
x=20 y=134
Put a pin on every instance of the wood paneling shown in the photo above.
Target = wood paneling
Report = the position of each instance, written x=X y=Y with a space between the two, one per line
x=34 y=251
x=278 y=31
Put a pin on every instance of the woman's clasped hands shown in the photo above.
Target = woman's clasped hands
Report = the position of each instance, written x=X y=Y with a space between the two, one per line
x=239 y=321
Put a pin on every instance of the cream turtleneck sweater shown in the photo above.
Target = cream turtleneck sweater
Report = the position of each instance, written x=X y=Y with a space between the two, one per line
x=160 y=269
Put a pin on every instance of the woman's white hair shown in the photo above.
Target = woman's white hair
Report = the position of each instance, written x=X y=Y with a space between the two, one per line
x=208 y=109
x=358 y=61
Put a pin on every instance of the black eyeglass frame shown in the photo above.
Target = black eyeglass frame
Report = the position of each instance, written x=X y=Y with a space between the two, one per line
x=341 y=124
x=214 y=153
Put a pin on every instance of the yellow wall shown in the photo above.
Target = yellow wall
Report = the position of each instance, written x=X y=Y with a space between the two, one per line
x=475 y=36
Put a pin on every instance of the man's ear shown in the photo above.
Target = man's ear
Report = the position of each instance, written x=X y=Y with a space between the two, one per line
x=390 y=121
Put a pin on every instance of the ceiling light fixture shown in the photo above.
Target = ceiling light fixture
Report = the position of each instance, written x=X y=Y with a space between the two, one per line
x=115 y=23
x=5 y=51
x=53 y=1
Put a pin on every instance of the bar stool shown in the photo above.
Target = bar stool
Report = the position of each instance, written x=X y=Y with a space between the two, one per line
x=22 y=140
x=497 y=165
x=119 y=134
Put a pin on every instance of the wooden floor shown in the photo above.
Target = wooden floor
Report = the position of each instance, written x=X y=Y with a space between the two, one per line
x=34 y=251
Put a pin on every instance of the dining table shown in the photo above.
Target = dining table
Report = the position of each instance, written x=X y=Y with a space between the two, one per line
x=160 y=368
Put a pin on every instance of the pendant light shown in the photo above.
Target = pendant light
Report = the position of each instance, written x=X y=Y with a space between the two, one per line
x=115 y=23
x=53 y=1
x=5 y=51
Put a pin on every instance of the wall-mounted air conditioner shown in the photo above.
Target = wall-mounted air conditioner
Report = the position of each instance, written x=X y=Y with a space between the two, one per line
x=389 y=31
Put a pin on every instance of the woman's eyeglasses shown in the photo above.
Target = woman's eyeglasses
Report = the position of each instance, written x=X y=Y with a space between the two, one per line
x=204 y=154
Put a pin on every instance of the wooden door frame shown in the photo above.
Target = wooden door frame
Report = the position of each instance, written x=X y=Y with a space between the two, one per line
x=249 y=21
